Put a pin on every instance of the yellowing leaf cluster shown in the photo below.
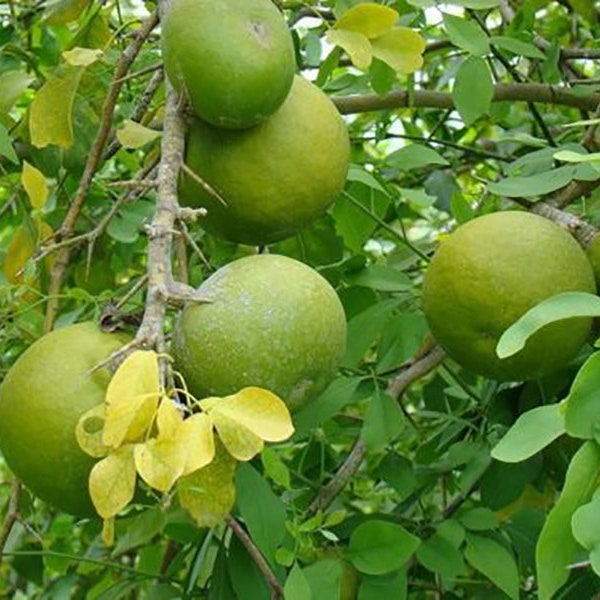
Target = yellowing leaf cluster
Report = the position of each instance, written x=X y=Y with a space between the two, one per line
x=140 y=430
x=369 y=30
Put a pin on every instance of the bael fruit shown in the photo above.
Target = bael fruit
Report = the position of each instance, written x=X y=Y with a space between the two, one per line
x=234 y=58
x=487 y=274
x=275 y=178
x=42 y=397
x=272 y=322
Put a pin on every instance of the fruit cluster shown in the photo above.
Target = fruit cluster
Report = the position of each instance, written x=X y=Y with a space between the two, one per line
x=269 y=146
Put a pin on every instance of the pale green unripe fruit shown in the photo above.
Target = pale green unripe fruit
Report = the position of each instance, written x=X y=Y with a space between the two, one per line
x=233 y=58
x=487 y=274
x=41 y=400
x=272 y=322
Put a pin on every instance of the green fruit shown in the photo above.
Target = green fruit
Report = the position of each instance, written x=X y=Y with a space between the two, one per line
x=41 y=399
x=272 y=322
x=234 y=58
x=593 y=254
x=275 y=178
x=487 y=274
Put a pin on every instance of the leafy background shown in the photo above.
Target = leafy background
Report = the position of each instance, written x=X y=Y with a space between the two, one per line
x=389 y=480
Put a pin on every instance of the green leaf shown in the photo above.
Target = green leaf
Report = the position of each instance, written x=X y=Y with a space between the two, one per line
x=296 y=585
x=495 y=562
x=473 y=101
x=466 y=35
x=379 y=547
x=439 y=556
x=567 y=305
x=262 y=510
x=582 y=414
x=324 y=578
x=381 y=278
x=517 y=47
x=401 y=48
x=50 y=117
x=415 y=156
x=338 y=394
x=585 y=525
x=12 y=85
x=556 y=547
x=6 y=147
x=393 y=586
x=534 y=185
x=480 y=518
x=576 y=157
x=368 y=18
x=383 y=422
x=533 y=431
x=35 y=185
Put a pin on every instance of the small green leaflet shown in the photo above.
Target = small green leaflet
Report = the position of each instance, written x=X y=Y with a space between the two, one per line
x=532 y=432
x=473 y=101
x=556 y=308
x=582 y=415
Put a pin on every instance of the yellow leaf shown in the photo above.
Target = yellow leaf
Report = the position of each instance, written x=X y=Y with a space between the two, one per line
x=108 y=531
x=356 y=45
x=35 y=185
x=132 y=398
x=160 y=462
x=370 y=19
x=21 y=248
x=60 y=12
x=208 y=493
x=196 y=436
x=240 y=442
x=112 y=482
x=89 y=432
x=134 y=135
x=401 y=48
x=168 y=419
x=50 y=117
x=258 y=410
x=82 y=57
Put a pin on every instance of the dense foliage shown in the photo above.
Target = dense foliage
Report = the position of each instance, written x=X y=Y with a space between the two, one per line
x=393 y=483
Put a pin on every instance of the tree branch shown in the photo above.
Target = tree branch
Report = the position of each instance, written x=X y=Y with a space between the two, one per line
x=396 y=388
x=12 y=514
x=503 y=92
x=61 y=261
x=257 y=557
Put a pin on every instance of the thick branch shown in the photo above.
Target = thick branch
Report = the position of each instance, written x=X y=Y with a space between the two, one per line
x=503 y=92
x=62 y=258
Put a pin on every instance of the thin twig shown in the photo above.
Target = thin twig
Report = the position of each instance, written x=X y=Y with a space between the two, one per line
x=61 y=261
x=257 y=557
x=396 y=388
x=12 y=514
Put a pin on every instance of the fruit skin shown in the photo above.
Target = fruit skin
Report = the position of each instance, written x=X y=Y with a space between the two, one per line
x=275 y=178
x=487 y=274
x=234 y=58
x=273 y=322
x=593 y=254
x=41 y=399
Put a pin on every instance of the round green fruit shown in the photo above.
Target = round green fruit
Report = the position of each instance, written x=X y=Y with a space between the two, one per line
x=234 y=58
x=487 y=274
x=274 y=178
x=41 y=399
x=593 y=254
x=271 y=322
